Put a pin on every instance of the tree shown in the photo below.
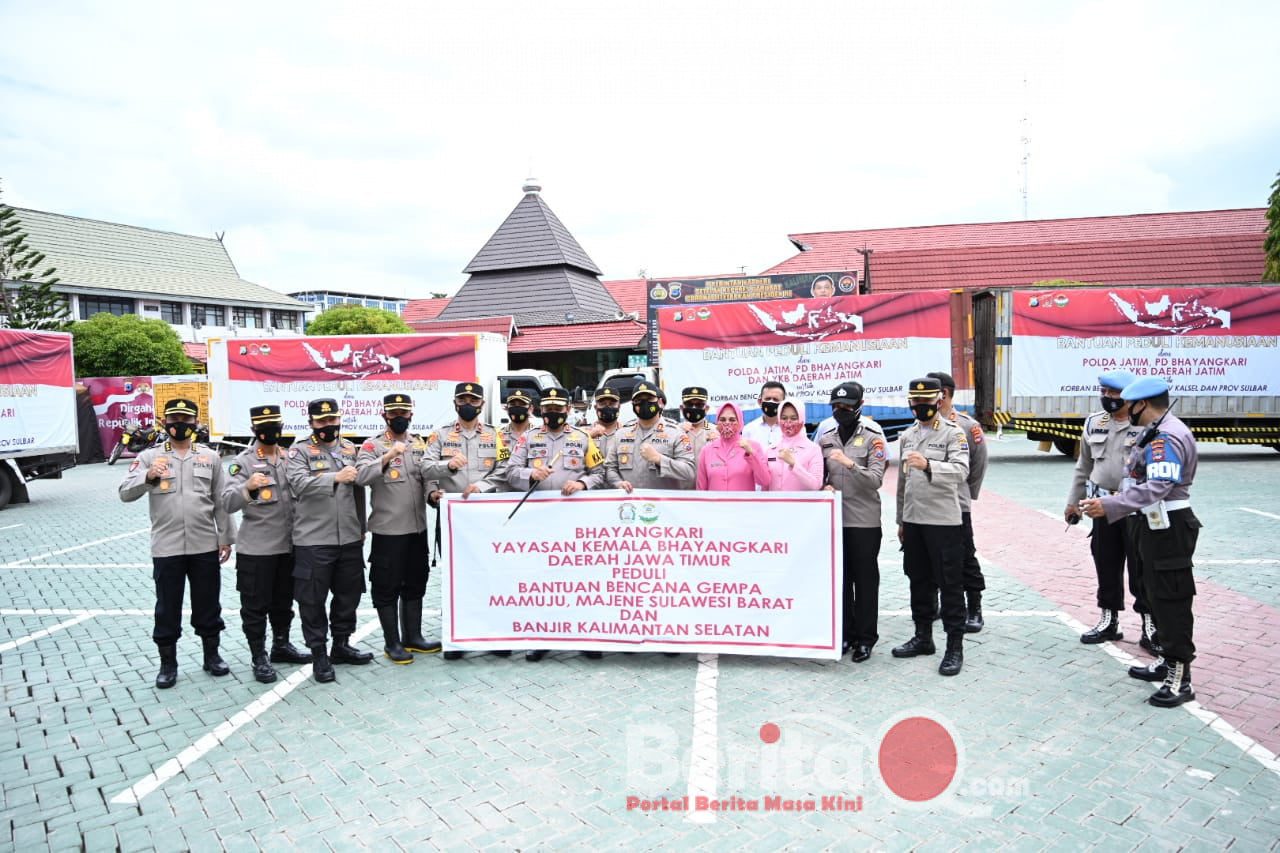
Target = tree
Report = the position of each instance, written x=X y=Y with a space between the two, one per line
x=358 y=320
x=33 y=304
x=107 y=345
x=1271 y=245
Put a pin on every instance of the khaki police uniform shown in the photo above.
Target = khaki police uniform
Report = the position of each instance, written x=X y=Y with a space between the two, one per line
x=399 y=555
x=487 y=453
x=674 y=470
x=569 y=455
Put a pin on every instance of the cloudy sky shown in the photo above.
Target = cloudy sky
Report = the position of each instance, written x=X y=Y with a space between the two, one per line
x=375 y=147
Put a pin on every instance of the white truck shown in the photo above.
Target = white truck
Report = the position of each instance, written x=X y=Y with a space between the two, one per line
x=38 y=434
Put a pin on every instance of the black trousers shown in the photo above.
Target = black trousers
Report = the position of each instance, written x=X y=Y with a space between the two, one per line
x=265 y=584
x=171 y=575
x=1169 y=580
x=861 y=584
x=1113 y=547
x=398 y=567
x=933 y=558
x=973 y=579
x=321 y=570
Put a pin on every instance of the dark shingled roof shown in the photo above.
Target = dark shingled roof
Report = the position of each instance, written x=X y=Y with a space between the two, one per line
x=532 y=236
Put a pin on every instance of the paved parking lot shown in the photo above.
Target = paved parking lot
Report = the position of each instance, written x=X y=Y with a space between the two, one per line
x=1046 y=742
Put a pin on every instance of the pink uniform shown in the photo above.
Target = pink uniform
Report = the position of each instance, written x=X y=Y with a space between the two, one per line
x=806 y=474
x=723 y=466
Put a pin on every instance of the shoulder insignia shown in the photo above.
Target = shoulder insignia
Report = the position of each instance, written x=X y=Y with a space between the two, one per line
x=234 y=468
x=369 y=445
x=134 y=466
x=976 y=432
x=1106 y=416
x=293 y=451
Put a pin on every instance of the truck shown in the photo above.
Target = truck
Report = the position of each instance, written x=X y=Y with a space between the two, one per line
x=38 y=428
x=357 y=371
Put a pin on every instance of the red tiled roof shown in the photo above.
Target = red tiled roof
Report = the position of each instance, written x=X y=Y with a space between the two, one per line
x=631 y=294
x=1201 y=247
x=497 y=325
x=196 y=352
x=622 y=334
x=423 y=309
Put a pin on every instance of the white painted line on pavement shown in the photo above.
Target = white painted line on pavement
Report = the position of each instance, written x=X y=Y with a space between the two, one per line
x=1259 y=512
x=10 y=526
x=76 y=547
x=31 y=638
x=82 y=566
x=1252 y=561
x=703 y=756
x=205 y=744
x=1228 y=732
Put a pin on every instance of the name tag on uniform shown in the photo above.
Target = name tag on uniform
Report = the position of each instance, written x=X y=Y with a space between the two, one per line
x=857 y=442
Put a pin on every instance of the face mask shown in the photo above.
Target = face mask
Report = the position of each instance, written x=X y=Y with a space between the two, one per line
x=326 y=433
x=645 y=409
x=791 y=428
x=728 y=431
x=468 y=412
x=398 y=424
x=925 y=411
x=770 y=408
x=518 y=415
x=1112 y=404
x=1135 y=414
x=607 y=414
x=693 y=416
x=554 y=420
x=847 y=418
x=180 y=431
x=269 y=434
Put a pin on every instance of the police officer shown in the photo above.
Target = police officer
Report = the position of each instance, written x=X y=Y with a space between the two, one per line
x=854 y=462
x=328 y=538
x=1109 y=436
x=974 y=582
x=934 y=468
x=518 y=405
x=466 y=458
x=553 y=456
x=258 y=487
x=693 y=408
x=191 y=534
x=607 y=427
x=390 y=464
x=1161 y=469
x=652 y=453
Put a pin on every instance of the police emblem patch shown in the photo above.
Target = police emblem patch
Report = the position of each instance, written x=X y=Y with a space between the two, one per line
x=234 y=468
x=264 y=495
x=976 y=432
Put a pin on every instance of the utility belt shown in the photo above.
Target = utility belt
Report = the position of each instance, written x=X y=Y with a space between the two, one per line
x=1093 y=490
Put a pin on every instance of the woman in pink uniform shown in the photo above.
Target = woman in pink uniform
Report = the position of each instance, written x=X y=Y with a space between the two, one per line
x=731 y=463
x=798 y=466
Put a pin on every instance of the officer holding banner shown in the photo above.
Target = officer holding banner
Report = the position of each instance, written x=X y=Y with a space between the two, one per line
x=652 y=453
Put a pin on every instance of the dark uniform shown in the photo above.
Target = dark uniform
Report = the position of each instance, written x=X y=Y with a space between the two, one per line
x=190 y=535
x=861 y=442
x=1162 y=467
x=695 y=425
x=328 y=542
x=264 y=551
x=930 y=524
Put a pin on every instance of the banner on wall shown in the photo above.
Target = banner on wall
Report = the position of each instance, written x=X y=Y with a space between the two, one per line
x=1206 y=341
x=37 y=393
x=809 y=345
x=728 y=572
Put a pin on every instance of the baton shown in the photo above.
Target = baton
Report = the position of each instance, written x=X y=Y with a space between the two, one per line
x=533 y=486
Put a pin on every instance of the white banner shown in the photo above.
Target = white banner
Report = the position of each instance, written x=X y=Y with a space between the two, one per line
x=728 y=572
x=37 y=394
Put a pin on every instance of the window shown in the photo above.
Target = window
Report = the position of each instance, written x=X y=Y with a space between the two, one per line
x=209 y=315
x=90 y=305
x=284 y=319
x=171 y=312
x=247 y=318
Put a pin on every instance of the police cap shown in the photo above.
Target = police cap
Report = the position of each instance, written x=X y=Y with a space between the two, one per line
x=397 y=403
x=557 y=396
x=1117 y=380
x=693 y=392
x=607 y=392
x=325 y=407
x=181 y=406
x=1145 y=388
x=463 y=389
x=847 y=392
x=925 y=386
x=265 y=414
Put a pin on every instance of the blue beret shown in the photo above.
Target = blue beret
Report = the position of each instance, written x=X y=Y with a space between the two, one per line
x=1117 y=379
x=1145 y=388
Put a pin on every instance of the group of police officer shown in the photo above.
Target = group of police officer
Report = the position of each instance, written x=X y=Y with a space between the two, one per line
x=304 y=522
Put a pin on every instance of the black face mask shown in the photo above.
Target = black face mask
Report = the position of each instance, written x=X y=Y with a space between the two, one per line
x=269 y=434
x=693 y=416
x=770 y=408
x=925 y=411
x=468 y=412
x=607 y=414
x=1112 y=404
x=847 y=417
x=554 y=420
x=398 y=424
x=518 y=414
x=326 y=434
x=645 y=409
x=180 y=431
x=1135 y=414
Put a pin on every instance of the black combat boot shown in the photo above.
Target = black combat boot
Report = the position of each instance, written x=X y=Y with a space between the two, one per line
x=344 y=652
x=953 y=659
x=262 y=669
x=1176 y=688
x=593 y=655
x=1150 y=639
x=535 y=655
x=1154 y=671
x=453 y=655
x=411 y=624
x=973 y=623
x=168 y=674
x=1108 y=628
x=920 y=644
x=391 y=636
x=283 y=651
x=321 y=667
x=213 y=662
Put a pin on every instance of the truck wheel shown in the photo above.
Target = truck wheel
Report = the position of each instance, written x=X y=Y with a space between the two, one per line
x=1066 y=446
x=6 y=484
x=115 y=453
